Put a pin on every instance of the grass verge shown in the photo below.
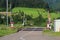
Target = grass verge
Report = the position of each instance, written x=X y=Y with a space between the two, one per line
x=8 y=30
x=51 y=33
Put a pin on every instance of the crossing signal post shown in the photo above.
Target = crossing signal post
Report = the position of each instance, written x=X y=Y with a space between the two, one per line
x=11 y=19
x=49 y=21
x=11 y=23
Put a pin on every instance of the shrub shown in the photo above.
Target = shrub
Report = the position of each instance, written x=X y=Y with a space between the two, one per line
x=38 y=16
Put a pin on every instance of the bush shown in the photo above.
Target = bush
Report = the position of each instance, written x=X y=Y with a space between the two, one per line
x=17 y=18
x=3 y=19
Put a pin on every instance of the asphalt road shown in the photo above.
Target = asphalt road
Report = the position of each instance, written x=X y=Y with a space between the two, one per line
x=29 y=35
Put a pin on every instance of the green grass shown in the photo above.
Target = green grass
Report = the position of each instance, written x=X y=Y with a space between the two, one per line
x=29 y=11
x=4 y=30
x=34 y=13
x=51 y=33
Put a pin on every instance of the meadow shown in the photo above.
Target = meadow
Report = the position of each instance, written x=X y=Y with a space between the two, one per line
x=34 y=12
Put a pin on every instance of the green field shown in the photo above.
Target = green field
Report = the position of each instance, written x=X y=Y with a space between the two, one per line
x=34 y=12
x=30 y=11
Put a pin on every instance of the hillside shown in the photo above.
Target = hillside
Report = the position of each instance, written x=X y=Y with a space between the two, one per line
x=34 y=12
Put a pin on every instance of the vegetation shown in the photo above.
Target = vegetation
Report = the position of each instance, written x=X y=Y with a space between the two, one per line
x=34 y=12
x=34 y=16
x=27 y=12
x=38 y=16
x=24 y=3
x=4 y=30
x=51 y=33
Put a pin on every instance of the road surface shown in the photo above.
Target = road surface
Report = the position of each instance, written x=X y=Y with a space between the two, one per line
x=29 y=35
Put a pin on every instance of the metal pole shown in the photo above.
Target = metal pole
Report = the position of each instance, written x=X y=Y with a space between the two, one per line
x=10 y=12
x=7 y=11
x=11 y=19
x=23 y=19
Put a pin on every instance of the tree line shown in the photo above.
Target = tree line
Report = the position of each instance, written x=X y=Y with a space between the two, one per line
x=24 y=3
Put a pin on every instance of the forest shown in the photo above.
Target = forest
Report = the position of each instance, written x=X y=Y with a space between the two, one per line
x=24 y=3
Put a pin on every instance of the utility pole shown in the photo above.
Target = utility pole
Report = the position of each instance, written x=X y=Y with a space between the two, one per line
x=7 y=11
